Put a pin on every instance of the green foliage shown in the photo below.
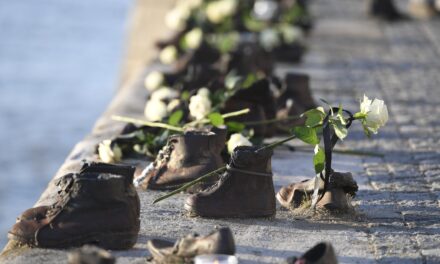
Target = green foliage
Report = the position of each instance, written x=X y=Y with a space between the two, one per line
x=315 y=117
x=235 y=127
x=216 y=119
x=175 y=118
x=306 y=134
x=319 y=159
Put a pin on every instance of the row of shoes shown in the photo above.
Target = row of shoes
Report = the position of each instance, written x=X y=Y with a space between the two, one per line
x=388 y=10
x=188 y=249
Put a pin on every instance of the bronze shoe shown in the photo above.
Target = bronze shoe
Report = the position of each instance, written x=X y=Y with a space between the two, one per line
x=185 y=249
x=340 y=185
x=385 y=10
x=93 y=207
x=244 y=190
x=335 y=198
x=38 y=213
x=322 y=253
x=185 y=158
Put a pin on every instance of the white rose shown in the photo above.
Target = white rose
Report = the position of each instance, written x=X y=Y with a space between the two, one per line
x=236 y=140
x=216 y=11
x=265 y=10
x=168 y=55
x=173 y=105
x=204 y=92
x=291 y=34
x=194 y=38
x=154 y=80
x=164 y=93
x=199 y=106
x=155 y=110
x=269 y=39
x=176 y=18
x=108 y=153
x=376 y=113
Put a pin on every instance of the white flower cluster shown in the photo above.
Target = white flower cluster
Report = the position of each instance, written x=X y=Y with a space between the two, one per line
x=168 y=55
x=199 y=104
x=236 y=140
x=154 y=80
x=109 y=153
x=194 y=38
x=271 y=38
x=156 y=109
x=375 y=112
x=217 y=11
x=177 y=17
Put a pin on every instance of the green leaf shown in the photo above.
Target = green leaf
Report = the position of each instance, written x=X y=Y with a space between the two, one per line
x=216 y=119
x=250 y=79
x=185 y=95
x=341 y=130
x=306 y=134
x=319 y=159
x=175 y=118
x=314 y=117
x=235 y=127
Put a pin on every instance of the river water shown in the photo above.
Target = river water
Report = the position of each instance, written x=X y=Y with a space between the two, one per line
x=59 y=67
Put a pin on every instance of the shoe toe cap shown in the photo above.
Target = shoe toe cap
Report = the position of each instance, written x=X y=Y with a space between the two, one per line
x=24 y=231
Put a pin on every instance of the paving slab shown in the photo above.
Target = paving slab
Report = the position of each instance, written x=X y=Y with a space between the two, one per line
x=398 y=200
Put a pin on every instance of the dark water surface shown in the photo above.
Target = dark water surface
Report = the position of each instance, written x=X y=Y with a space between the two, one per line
x=59 y=67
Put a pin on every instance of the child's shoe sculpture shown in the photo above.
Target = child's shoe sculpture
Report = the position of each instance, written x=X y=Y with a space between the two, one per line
x=185 y=158
x=244 y=190
x=93 y=207
x=335 y=198
x=185 y=249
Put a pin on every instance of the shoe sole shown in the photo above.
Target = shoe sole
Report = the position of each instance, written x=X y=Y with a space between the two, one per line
x=114 y=240
x=281 y=200
x=250 y=214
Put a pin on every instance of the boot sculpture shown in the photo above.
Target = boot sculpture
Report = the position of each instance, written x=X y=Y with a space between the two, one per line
x=295 y=99
x=423 y=9
x=322 y=253
x=184 y=250
x=244 y=190
x=38 y=213
x=98 y=206
x=185 y=158
x=335 y=198
x=386 y=10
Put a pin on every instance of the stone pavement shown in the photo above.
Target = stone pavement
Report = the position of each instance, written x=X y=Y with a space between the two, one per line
x=399 y=194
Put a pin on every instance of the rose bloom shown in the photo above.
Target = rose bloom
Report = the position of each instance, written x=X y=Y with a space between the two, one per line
x=108 y=153
x=176 y=18
x=154 y=80
x=291 y=34
x=164 y=93
x=236 y=140
x=168 y=55
x=216 y=11
x=155 y=110
x=376 y=113
x=199 y=106
x=269 y=39
x=194 y=38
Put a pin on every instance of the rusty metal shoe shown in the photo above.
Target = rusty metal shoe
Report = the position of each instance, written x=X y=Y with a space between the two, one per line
x=185 y=249
x=293 y=195
x=185 y=158
x=385 y=10
x=335 y=198
x=298 y=89
x=340 y=185
x=322 y=253
x=89 y=254
x=38 y=213
x=93 y=207
x=244 y=190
